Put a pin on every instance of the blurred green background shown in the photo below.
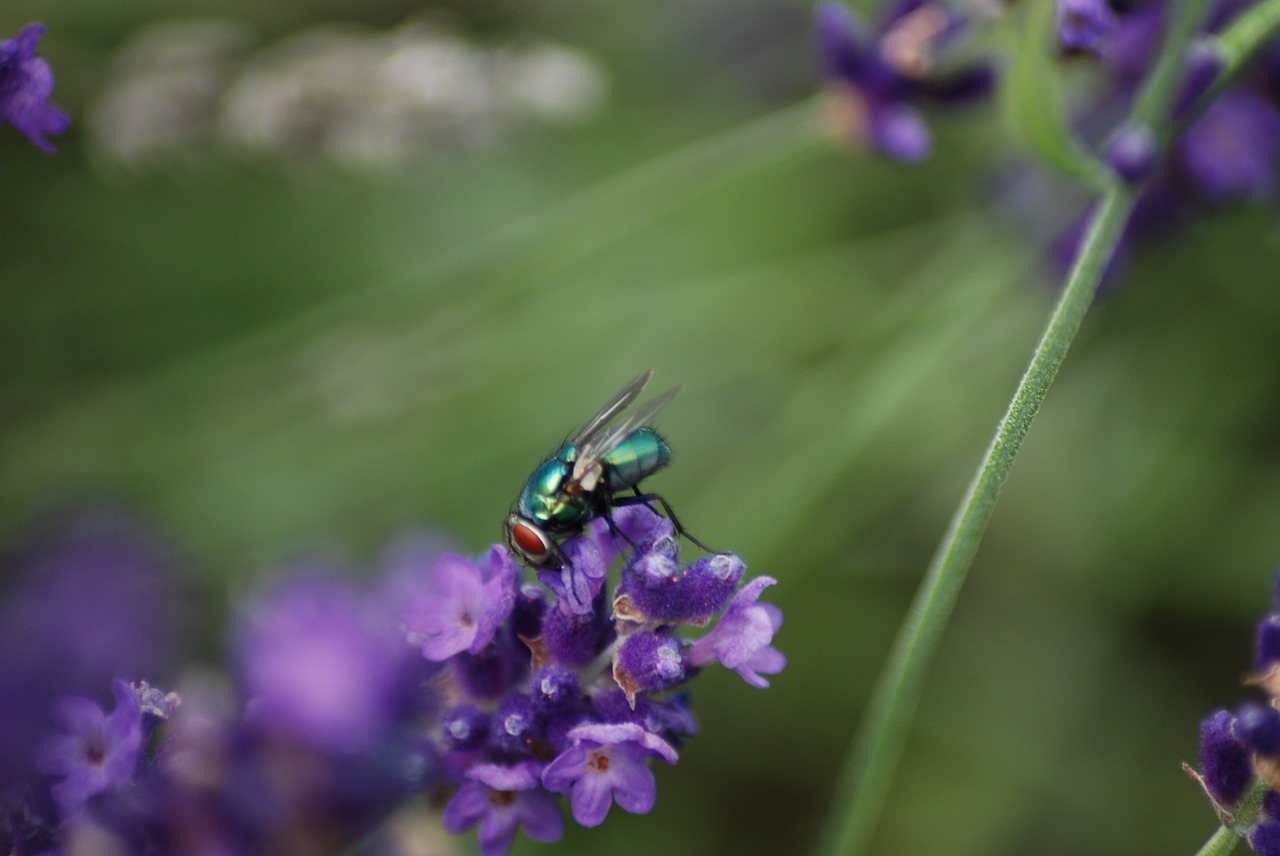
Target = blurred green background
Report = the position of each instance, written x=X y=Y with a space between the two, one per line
x=264 y=351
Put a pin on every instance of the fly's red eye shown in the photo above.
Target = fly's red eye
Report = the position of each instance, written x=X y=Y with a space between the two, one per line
x=529 y=541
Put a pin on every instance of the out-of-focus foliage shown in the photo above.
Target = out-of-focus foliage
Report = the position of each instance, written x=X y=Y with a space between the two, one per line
x=260 y=353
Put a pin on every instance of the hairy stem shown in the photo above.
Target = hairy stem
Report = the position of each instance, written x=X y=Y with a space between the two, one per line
x=872 y=760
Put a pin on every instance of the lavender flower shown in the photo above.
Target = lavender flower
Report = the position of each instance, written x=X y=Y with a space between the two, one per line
x=319 y=664
x=464 y=606
x=1085 y=24
x=607 y=764
x=1231 y=151
x=498 y=690
x=875 y=82
x=1228 y=153
x=26 y=82
x=1264 y=839
x=501 y=799
x=99 y=753
x=1132 y=153
x=1237 y=751
x=1224 y=760
x=741 y=640
x=584 y=711
x=68 y=565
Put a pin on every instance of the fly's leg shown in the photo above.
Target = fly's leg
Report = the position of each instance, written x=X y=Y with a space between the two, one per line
x=648 y=499
x=613 y=527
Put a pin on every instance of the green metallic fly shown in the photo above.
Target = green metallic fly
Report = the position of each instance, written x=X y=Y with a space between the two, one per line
x=583 y=479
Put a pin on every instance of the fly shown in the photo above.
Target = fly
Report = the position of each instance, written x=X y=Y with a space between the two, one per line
x=589 y=475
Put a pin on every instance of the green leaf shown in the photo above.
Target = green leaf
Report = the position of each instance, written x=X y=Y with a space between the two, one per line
x=1033 y=101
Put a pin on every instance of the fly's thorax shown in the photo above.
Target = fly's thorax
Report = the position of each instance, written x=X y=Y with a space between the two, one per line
x=636 y=458
x=546 y=501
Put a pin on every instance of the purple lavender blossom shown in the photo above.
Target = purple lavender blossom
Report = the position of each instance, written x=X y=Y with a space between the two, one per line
x=1258 y=728
x=875 y=81
x=741 y=640
x=607 y=764
x=1267 y=648
x=464 y=606
x=1223 y=760
x=654 y=589
x=648 y=662
x=584 y=692
x=1132 y=153
x=575 y=640
x=500 y=799
x=26 y=82
x=581 y=578
x=1085 y=24
x=1231 y=151
x=319 y=664
x=1264 y=839
x=95 y=562
x=99 y=753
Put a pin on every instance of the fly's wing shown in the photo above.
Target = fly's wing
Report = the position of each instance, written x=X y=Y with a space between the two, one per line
x=609 y=437
x=616 y=405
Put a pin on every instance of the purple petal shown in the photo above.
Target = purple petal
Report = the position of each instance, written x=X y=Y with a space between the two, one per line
x=519 y=777
x=467 y=806
x=635 y=789
x=840 y=41
x=540 y=816
x=769 y=660
x=497 y=831
x=583 y=575
x=590 y=799
x=28 y=38
x=607 y=734
x=899 y=132
x=567 y=767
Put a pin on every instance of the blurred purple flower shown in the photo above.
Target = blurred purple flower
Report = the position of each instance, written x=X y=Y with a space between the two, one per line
x=500 y=799
x=319 y=664
x=875 y=82
x=98 y=563
x=1133 y=154
x=464 y=605
x=1231 y=151
x=1085 y=24
x=608 y=763
x=26 y=82
x=99 y=753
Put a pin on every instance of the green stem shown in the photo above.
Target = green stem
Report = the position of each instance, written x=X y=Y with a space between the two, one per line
x=872 y=760
x=878 y=743
x=1235 y=46
x=1247 y=34
x=1221 y=843
x=1228 y=836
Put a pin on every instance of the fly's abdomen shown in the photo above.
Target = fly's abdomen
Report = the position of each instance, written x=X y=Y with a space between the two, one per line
x=639 y=456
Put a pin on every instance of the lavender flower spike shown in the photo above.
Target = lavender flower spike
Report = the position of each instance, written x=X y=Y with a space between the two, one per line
x=100 y=752
x=741 y=640
x=464 y=607
x=500 y=799
x=26 y=82
x=607 y=764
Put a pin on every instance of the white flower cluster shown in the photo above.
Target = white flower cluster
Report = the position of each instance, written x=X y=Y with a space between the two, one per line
x=355 y=97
